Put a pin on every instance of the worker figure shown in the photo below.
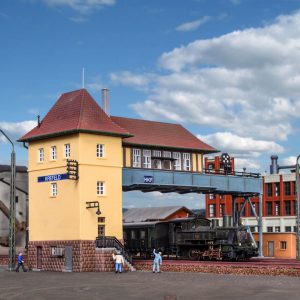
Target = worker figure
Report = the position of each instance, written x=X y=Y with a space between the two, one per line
x=157 y=261
x=119 y=261
x=20 y=263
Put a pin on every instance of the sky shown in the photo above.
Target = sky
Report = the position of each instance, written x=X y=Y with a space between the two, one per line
x=227 y=70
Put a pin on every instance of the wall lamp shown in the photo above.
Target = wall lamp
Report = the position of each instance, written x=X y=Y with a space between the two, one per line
x=94 y=204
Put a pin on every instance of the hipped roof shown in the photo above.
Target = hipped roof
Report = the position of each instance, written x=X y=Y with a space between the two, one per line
x=75 y=112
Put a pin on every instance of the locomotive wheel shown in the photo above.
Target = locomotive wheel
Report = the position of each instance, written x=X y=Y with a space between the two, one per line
x=194 y=254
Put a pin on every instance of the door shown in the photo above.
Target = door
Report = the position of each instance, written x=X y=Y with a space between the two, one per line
x=39 y=257
x=68 y=258
x=271 y=249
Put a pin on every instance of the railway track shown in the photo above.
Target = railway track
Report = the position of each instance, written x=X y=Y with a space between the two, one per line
x=253 y=263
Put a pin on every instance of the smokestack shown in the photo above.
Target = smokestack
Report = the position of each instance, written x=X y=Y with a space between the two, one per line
x=274 y=165
x=105 y=100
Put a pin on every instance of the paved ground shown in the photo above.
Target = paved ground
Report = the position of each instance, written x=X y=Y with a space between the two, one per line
x=145 y=285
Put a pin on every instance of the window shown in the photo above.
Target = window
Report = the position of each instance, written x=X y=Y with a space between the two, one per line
x=101 y=219
x=288 y=228
x=156 y=153
x=277 y=208
x=283 y=245
x=221 y=197
x=211 y=196
x=100 y=150
x=269 y=229
x=100 y=188
x=277 y=189
x=269 y=208
x=287 y=188
x=53 y=153
x=177 y=161
x=167 y=154
x=212 y=210
x=142 y=234
x=269 y=190
x=287 y=207
x=101 y=230
x=41 y=155
x=222 y=210
x=132 y=235
x=136 y=158
x=295 y=228
x=251 y=211
x=166 y=164
x=147 y=159
x=277 y=228
x=186 y=161
x=67 y=153
x=53 y=189
x=253 y=229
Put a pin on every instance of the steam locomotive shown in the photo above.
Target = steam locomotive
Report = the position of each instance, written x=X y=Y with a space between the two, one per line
x=194 y=238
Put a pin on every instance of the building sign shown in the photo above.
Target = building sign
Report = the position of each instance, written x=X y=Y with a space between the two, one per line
x=148 y=179
x=55 y=177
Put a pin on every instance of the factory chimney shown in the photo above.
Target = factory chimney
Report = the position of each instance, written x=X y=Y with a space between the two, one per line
x=274 y=165
x=105 y=100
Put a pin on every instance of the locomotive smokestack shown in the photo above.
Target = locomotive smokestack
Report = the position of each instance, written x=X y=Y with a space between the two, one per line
x=105 y=100
x=274 y=165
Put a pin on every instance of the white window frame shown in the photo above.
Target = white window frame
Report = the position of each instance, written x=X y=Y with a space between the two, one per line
x=67 y=150
x=41 y=155
x=100 y=150
x=277 y=209
x=136 y=158
x=100 y=188
x=53 y=153
x=186 y=161
x=212 y=210
x=156 y=153
x=167 y=154
x=146 y=159
x=177 y=161
x=54 y=191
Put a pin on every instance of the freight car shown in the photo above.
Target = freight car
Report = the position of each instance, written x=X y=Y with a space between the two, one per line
x=193 y=238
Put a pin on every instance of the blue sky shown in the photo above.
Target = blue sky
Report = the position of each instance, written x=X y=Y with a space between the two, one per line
x=228 y=70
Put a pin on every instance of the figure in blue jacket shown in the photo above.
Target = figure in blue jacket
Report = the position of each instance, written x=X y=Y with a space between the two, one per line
x=20 y=262
x=157 y=261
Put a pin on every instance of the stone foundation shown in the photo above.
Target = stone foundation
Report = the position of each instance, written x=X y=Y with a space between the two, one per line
x=85 y=256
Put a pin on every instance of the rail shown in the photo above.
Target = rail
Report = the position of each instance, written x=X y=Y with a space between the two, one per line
x=234 y=173
x=113 y=242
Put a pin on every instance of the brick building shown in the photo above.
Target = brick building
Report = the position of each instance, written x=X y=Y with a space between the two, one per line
x=279 y=207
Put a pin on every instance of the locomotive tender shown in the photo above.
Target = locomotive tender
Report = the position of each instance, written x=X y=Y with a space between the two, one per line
x=194 y=238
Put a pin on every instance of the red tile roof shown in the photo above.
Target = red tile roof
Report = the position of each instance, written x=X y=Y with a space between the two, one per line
x=149 y=133
x=75 y=112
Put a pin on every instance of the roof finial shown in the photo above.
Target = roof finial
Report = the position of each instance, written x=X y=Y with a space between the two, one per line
x=83 y=78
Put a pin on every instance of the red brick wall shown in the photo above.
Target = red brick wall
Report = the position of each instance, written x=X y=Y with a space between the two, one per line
x=86 y=257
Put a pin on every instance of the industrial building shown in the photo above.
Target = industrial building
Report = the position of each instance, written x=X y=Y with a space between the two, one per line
x=279 y=208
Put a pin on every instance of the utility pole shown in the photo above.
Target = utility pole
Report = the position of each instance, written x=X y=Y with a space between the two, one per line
x=12 y=208
x=297 y=210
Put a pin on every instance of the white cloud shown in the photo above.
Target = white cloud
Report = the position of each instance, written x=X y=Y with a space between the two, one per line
x=15 y=130
x=232 y=143
x=289 y=161
x=189 y=26
x=81 y=6
x=245 y=82
x=139 y=81
x=245 y=150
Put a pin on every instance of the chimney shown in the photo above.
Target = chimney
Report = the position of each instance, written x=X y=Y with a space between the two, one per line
x=274 y=165
x=105 y=100
x=38 y=121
